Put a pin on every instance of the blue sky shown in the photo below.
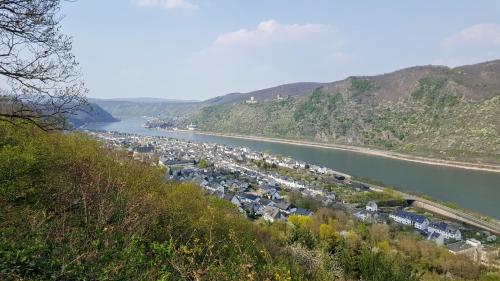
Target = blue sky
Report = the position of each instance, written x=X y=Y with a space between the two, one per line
x=198 y=49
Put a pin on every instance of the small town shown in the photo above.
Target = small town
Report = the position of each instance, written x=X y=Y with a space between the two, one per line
x=272 y=188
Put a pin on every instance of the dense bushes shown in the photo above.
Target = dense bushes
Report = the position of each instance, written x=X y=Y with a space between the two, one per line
x=72 y=210
x=431 y=92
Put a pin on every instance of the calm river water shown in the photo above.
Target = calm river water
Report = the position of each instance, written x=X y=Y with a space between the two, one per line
x=475 y=190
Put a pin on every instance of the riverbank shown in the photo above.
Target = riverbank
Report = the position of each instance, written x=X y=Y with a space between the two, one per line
x=369 y=151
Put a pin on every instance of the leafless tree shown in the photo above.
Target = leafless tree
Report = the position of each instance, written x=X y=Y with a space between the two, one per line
x=40 y=80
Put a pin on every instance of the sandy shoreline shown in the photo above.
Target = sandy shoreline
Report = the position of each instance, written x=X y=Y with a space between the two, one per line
x=369 y=151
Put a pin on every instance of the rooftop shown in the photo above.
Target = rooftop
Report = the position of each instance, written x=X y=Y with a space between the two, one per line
x=409 y=215
x=459 y=246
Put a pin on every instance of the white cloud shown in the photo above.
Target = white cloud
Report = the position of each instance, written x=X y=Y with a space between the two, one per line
x=479 y=35
x=477 y=43
x=271 y=31
x=168 y=4
x=270 y=54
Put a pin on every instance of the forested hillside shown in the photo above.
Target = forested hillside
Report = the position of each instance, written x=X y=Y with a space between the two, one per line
x=89 y=114
x=269 y=94
x=131 y=108
x=73 y=210
x=135 y=107
x=429 y=111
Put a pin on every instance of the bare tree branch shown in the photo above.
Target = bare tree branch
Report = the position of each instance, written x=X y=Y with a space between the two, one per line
x=43 y=83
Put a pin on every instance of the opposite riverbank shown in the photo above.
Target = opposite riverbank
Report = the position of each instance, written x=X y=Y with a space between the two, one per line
x=369 y=151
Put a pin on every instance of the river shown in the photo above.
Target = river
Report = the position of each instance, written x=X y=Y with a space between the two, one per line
x=470 y=189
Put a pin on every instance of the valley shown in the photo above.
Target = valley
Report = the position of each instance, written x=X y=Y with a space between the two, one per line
x=435 y=112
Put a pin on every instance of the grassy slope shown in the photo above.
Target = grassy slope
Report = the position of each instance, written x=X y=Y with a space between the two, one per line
x=72 y=210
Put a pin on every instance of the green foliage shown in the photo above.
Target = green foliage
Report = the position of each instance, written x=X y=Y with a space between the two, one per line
x=428 y=88
x=492 y=276
x=314 y=107
x=202 y=164
x=303 y=202
x=375 y=266
x=360 y=86
x=71 y=210
x=430 y=91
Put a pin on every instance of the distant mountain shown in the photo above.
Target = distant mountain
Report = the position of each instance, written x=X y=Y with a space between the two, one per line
x=147 y=107
x=133 y=107
x=435 y=111
x=143 y=100
x=287 y=90
x=91 y=114
x=478 y=81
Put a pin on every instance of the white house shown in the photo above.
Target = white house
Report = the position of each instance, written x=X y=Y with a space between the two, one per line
x=408 y=218
x=436 y=237
x=302 y=212
x=362 y=215
x=372 y=206
x=285 y=207
x=247 y=197
x=448 y=231
x=252 y=100
x=272 y=214
x=236 y=201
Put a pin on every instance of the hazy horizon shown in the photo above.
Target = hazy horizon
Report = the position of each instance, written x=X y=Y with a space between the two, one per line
x=199 y=49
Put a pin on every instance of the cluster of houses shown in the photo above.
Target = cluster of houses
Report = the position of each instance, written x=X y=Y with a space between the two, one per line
x=253 y=194
x=170 y=123
x=231 y=174
x=269 y=205
x=440 y=232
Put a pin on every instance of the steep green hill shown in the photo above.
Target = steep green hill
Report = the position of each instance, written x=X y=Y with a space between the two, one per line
x=71 y=210
x=429 y=111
